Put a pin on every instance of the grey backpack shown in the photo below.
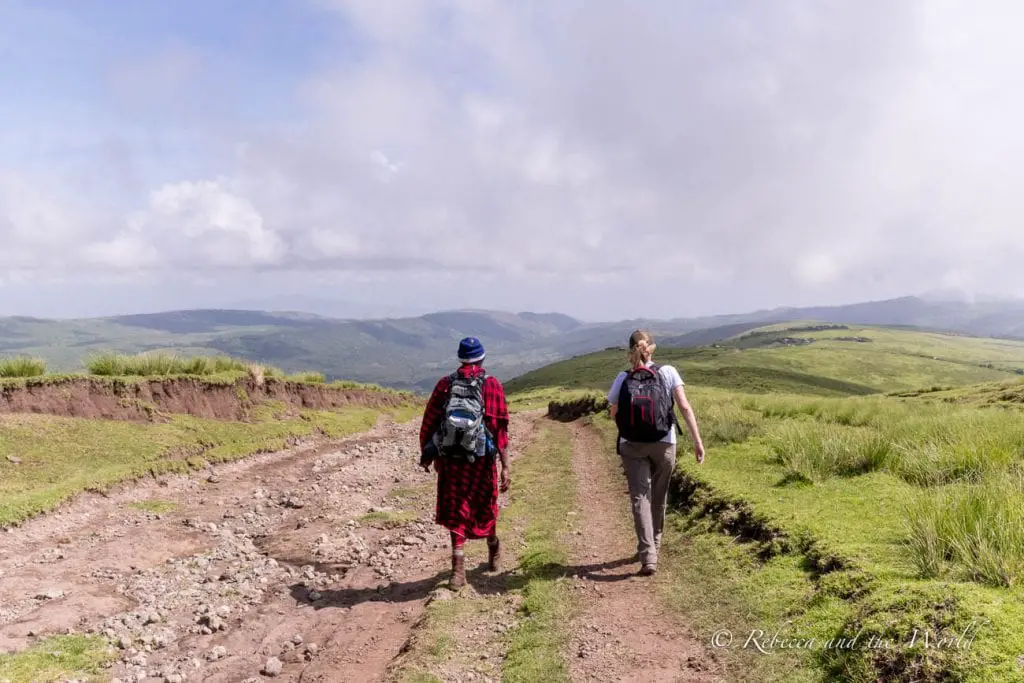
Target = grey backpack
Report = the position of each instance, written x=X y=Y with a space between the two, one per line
x=462 y=432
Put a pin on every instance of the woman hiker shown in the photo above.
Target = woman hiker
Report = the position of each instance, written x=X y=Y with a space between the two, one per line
x=464 y=433
x=649 y=453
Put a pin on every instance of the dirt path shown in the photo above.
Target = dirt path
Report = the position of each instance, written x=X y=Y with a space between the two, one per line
x=622 y=633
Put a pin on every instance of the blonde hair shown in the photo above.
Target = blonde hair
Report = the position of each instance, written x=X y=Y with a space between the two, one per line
x=641 y=348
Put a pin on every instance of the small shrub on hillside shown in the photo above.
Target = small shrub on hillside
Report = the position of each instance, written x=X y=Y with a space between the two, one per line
x=22 y=367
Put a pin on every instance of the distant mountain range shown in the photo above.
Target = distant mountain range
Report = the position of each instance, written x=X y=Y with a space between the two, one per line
x=413 y=352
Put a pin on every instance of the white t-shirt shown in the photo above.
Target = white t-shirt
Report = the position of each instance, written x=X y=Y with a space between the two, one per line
x=669 y=375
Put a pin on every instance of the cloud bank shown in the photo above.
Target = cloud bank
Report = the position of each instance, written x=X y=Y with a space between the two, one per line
x=601 y=158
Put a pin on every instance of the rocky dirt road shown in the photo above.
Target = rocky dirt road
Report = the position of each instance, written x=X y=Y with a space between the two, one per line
x=312 y=564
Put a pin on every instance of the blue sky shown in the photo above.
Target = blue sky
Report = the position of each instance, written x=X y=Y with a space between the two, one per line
x=366 y=157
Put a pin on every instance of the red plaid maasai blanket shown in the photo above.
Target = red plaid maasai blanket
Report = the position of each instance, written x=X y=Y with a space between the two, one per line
x=467 y=493
x=467 y=496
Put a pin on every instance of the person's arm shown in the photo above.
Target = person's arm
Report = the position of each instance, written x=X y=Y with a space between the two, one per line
x=691 y=421
x=497 y=408
x=613 y=396
x=431 y=415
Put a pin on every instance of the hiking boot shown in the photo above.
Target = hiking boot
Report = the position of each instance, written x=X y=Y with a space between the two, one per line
x=458 y=570
x=493 y=555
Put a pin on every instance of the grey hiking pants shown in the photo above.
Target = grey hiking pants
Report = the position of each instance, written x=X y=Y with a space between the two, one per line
x=648 y=468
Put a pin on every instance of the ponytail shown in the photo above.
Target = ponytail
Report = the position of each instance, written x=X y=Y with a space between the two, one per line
x=641 y=348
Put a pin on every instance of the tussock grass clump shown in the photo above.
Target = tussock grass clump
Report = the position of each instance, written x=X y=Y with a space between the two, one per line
x=725 y=422
x=308 y=377
x=22 y=367
x=955 y=444
x=925 y=445
x=975 y=530
x=160 y=365
x=813 y=452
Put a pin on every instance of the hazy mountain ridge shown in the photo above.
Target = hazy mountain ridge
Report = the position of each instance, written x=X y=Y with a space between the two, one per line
x=414 y=352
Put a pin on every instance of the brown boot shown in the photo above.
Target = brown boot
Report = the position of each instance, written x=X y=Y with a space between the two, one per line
x=493 y=554
x=458 y=570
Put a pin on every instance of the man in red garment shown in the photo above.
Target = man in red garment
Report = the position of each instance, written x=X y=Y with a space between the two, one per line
x=467 y=489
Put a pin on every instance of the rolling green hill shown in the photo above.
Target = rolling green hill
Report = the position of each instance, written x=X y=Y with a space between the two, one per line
x=802 y=359
x=410 y=353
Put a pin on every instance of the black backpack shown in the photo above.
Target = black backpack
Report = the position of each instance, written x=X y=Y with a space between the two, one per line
x=646 y=410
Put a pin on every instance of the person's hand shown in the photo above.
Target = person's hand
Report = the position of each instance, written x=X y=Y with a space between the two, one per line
x=698 y=450
x=425 y=461
x=506 y=478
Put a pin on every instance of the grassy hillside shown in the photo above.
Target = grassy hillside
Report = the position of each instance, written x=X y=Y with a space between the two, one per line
x=404 y=353
x=826 y=513
x=794 y=359
x=413 y=352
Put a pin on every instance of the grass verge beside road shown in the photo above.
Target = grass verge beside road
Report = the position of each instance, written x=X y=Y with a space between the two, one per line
x=797 y=530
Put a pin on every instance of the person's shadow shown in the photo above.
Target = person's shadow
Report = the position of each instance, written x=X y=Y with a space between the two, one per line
x=482 y=581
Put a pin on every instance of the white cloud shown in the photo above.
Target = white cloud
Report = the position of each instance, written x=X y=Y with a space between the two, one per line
x=764 y=153
x=211 y=223
x=817 y=269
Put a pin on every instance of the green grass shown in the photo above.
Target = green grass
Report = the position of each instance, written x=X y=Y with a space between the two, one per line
x=61 y=457
x=22 y=367
x=894 y=360
x=156 y=364
x=389 y=519
x=158 y=507
x=307 y=377
x=166 y=364
x=536 y=648
x=58 y=658
x=871 y=553
x=972 y=531
x=539 y=398
x=926 y=444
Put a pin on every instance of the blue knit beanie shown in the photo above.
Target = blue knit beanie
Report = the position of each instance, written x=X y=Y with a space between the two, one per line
x=471 y=350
